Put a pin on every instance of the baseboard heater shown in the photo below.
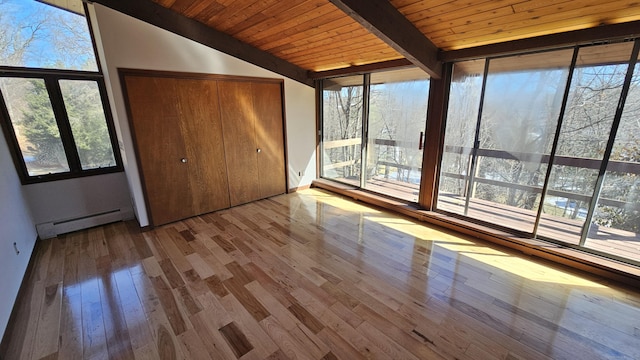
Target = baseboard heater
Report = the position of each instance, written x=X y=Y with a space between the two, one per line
x=53 y=229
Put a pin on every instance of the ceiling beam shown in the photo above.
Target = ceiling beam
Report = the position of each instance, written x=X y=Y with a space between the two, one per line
x=361 y=69
x=154 y=14
x=385 y=21
x=544 y=42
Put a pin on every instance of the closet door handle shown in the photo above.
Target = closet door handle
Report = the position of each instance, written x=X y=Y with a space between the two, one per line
x=259 y=150
x=183 y=160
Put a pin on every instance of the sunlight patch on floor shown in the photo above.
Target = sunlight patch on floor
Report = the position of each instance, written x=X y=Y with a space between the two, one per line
x=524 y=268
x=521 y=267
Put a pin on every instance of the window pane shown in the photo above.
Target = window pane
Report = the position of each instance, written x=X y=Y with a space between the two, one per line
x=34 y=125
x=36 y=35
x=397 y=116
x=595 y=90
x=522 y=102
x=342 y=129
x=499 y=179
x=88 y=123
x=617 y=218
x=462 y=116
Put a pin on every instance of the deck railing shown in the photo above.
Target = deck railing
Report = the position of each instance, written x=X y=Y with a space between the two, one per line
x=577 y=162
x=583 y=163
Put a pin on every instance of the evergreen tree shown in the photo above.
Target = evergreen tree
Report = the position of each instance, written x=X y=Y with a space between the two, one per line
x=39 y=126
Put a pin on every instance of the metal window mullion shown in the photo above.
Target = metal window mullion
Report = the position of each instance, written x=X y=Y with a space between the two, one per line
x=365 y=129
x=612 y=138
x=64 y=126
x=556 y=140
x=476 y=139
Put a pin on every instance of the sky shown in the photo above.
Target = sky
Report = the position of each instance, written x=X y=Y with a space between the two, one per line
x=21 y=16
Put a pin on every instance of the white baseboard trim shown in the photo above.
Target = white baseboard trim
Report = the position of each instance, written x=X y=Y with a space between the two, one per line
x=55 y=228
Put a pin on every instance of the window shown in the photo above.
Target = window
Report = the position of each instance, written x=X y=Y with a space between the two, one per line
x=547 y=144
x=342 y=102
x=397 y=116
x=52 y=95
x=372 y=129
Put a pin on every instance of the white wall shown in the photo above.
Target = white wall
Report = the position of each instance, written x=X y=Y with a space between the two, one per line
x=125 y=42
x=16 y=225
x=63 y=200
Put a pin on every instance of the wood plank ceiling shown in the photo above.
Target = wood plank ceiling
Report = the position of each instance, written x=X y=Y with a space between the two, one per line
x=316 y=36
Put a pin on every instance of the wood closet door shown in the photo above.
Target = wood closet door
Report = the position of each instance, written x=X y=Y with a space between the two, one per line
x=201 y=129
x=155 y=124
x=238 y=128
x=177 y=130
x=267 y=99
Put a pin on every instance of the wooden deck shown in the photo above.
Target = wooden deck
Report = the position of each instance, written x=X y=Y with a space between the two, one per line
x=398 y=189
x=607 y=240
x=310 y=275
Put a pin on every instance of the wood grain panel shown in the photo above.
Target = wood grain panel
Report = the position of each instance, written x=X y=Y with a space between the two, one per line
x=238 y=127
x=160 y=146
x=392 y=288
x=328 y=30
x=267 y=100
x=201 y=128
x=285 y=19
x=236 y=339
x=312 y=25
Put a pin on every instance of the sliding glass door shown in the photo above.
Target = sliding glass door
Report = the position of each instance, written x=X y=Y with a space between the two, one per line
x=342 y=102
x=615 y=222
x=497 y=157
x=397 y=114
x=464 y=103
x=586 y=125
x=547 y=144
x=373 y=131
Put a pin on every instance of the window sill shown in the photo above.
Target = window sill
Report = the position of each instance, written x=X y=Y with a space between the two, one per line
x=589 y=263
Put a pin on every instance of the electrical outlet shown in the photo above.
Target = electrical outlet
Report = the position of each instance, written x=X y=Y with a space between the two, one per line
x=15 y=247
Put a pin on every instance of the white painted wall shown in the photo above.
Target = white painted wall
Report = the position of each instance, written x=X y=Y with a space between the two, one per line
x=16 y=225
x=125 y=42
x=62 y=200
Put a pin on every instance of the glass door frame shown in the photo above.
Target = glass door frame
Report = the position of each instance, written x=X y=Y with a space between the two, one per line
x=366 y=97
x=633 y=60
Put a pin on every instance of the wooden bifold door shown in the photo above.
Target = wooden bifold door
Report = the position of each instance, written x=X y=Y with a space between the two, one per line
x=204 y=143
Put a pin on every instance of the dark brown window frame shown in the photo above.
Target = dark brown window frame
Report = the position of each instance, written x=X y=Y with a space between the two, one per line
x=51 y=79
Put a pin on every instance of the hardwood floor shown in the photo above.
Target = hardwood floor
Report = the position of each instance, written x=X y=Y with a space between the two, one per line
x=607 y=240
x=310 y=275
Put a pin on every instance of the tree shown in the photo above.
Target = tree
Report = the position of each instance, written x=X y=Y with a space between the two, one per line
x=88 y=124
x=342 y=119
x=17 y=37
x=397 y=113
x=33 y=34
x=39 y=126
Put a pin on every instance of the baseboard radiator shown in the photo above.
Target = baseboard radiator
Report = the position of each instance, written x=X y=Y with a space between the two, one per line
x=53 y=229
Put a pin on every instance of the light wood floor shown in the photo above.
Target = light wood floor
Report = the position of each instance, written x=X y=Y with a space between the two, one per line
x=310 y=276
x=608 y=240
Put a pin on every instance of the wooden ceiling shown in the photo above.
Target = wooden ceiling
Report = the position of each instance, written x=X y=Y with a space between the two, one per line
x=319 y=35
x=312 y=34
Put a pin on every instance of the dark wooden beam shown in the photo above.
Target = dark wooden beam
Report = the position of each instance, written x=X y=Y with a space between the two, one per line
x=361 y=69
x=570 y=38
x=383 y=20
x=434 y=138
x=152 y=13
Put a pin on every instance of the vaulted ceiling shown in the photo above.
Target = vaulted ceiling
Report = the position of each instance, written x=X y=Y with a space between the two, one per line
x=320 y=35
